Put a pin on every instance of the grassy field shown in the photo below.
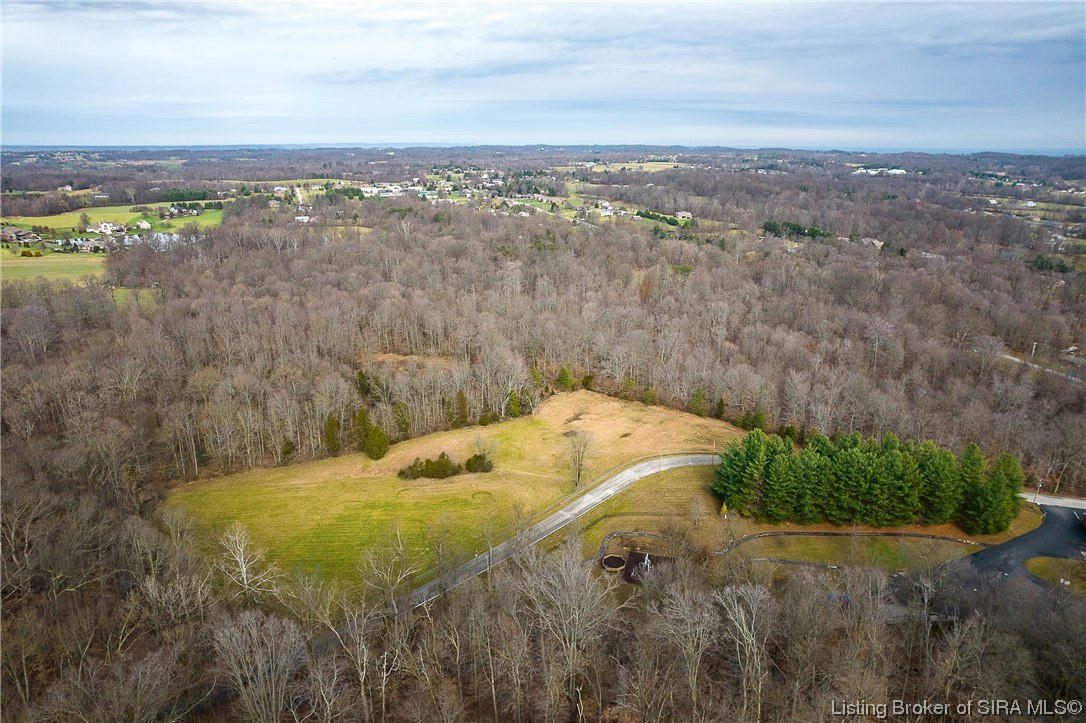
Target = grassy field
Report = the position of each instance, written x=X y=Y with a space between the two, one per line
x=125 y=297
x=208 y=219
x=890 y=554
x=68 y=222
x=321 y=515
x=51 y=266
x=679 y=502
x=1053 y=569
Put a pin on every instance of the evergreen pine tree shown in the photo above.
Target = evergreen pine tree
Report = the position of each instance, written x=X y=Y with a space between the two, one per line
x=331 y=435
x=514 y=404
x=697 y=403
x=976 y=498
x=778 y=500
x=461 y=409
x=940 y=483
x=403 y=419
x=903 y=486
x=360 y=427
x=376 y=445
x=812 y=480
x=565 y=379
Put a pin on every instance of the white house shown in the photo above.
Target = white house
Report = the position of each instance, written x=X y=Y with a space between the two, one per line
x=143 y=225
x=301 y=219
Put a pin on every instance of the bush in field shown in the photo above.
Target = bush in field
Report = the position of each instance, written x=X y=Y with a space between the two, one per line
x=439 y=468
x=479 y=463
x=376 y=445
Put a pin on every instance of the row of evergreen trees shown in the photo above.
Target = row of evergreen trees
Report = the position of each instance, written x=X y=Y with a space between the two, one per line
x=878 y=482
x=363 y=435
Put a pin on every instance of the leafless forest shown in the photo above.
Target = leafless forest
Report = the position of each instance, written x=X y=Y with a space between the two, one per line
x=257 y=329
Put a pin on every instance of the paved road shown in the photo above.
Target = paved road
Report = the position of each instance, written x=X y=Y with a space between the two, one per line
x=1060 y=535
x=557 y=521
x=1038 y=367
x=612 y=486
x=1049 y=501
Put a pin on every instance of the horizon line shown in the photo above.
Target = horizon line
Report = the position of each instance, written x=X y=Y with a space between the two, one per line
x=549 y=146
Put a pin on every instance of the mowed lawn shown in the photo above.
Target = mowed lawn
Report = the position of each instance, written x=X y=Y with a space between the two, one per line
x=1055 y=569
x=679 y=503
x=51 y=266
x=322 y=515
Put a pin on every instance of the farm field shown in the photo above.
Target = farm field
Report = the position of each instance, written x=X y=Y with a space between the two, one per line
x=321 y=515
x=680 y=503
x=51 y=266
x=1053 y=569
x=68 y=222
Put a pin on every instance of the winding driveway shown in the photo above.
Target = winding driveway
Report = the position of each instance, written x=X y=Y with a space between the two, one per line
x=1060 y=535
x=593 y=498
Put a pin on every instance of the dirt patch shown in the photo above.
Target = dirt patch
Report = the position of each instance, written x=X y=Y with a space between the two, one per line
x=613 y=563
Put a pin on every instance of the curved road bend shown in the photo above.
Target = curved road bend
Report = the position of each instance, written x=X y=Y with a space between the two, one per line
x=1055 y=536
x=1060 y=535
x=594 y=497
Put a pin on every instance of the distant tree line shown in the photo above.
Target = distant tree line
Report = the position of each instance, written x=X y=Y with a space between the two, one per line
x=879 y=482
x=662 y=217
x=789 y=228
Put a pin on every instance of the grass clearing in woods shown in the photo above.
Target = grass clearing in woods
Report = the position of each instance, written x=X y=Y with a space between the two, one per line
x=322 y=515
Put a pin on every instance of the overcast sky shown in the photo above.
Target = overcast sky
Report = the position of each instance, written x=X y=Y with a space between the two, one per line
x=937 y=76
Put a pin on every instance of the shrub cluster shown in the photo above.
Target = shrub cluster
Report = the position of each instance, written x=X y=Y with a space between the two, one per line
x=479 y=463
x=444 y=466
x=878 y=482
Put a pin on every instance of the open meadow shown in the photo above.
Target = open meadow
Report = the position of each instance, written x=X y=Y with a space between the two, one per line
x=51 y=266
x=69 y=221
x=322 y=515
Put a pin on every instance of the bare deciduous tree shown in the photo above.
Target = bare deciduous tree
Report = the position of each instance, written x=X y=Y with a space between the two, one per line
x=689 y=622
x=748 y=612
x=244 y=566
x=258 y=655
x=568 y=602
x=386 y=570
x=579 y=442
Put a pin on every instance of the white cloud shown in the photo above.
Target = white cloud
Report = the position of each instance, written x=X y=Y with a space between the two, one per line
x=733 y=73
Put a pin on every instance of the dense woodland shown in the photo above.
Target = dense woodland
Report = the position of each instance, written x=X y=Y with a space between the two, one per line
x=254 y=340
